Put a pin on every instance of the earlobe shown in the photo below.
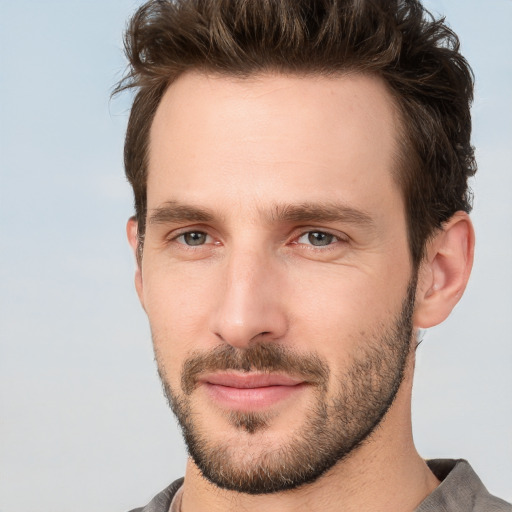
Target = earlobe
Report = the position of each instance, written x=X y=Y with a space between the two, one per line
x=133 y=239
x=445 y=271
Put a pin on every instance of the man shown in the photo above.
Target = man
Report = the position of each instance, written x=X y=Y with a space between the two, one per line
x=300 y=178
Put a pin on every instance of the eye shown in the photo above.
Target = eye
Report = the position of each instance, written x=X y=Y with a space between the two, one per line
x=193 y=238
x=317 y=238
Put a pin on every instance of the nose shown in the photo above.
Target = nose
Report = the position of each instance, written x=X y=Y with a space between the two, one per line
x=249 y=305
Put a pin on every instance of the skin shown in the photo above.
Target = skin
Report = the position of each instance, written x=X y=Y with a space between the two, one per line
x=242 y=150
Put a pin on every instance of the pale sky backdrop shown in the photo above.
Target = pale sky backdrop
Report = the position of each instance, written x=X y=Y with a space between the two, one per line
x=83 y=422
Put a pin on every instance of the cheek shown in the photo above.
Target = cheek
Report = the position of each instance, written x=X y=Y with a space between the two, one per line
x=174 y=294
x=344 y=292
x=335 y=310
x=178 y=305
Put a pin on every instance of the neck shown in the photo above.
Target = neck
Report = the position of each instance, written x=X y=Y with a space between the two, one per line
x=385 y=473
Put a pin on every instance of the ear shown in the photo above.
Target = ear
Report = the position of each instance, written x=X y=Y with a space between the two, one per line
x=445 y=271
x=133 y=239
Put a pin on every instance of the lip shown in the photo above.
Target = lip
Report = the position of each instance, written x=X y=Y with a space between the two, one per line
x=251 y=391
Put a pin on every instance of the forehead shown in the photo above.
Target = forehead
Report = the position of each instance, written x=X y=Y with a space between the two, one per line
x=273 y=137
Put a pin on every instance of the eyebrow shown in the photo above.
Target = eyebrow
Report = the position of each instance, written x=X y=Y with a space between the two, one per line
x=176 y=212
x=321 y=212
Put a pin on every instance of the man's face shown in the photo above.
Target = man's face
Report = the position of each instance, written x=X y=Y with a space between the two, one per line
x=276 y=273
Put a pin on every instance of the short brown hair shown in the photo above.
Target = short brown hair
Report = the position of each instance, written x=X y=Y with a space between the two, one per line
x=398 y=40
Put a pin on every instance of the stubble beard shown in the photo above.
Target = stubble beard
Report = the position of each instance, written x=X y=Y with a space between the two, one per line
x=332 y=430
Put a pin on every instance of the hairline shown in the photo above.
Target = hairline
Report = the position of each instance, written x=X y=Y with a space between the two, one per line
x=403 y=155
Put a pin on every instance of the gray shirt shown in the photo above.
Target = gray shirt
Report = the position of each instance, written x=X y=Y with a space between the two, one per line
x=460 y=491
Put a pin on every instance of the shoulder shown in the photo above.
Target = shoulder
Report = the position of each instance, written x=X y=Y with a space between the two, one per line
x=460 y=490
x=162 y=501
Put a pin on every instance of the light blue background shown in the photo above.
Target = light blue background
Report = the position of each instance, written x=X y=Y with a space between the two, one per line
x=83 y=423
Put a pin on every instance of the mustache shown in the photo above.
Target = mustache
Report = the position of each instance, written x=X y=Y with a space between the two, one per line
x=261 y=357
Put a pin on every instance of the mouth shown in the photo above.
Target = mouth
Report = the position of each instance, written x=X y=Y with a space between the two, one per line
x=252 y=391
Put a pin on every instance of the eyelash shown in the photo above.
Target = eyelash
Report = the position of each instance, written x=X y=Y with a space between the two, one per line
x=196 y=232
x=335 y=239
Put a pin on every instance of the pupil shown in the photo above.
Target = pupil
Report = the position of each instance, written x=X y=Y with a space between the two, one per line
x=319 y=239
x=194 y=238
